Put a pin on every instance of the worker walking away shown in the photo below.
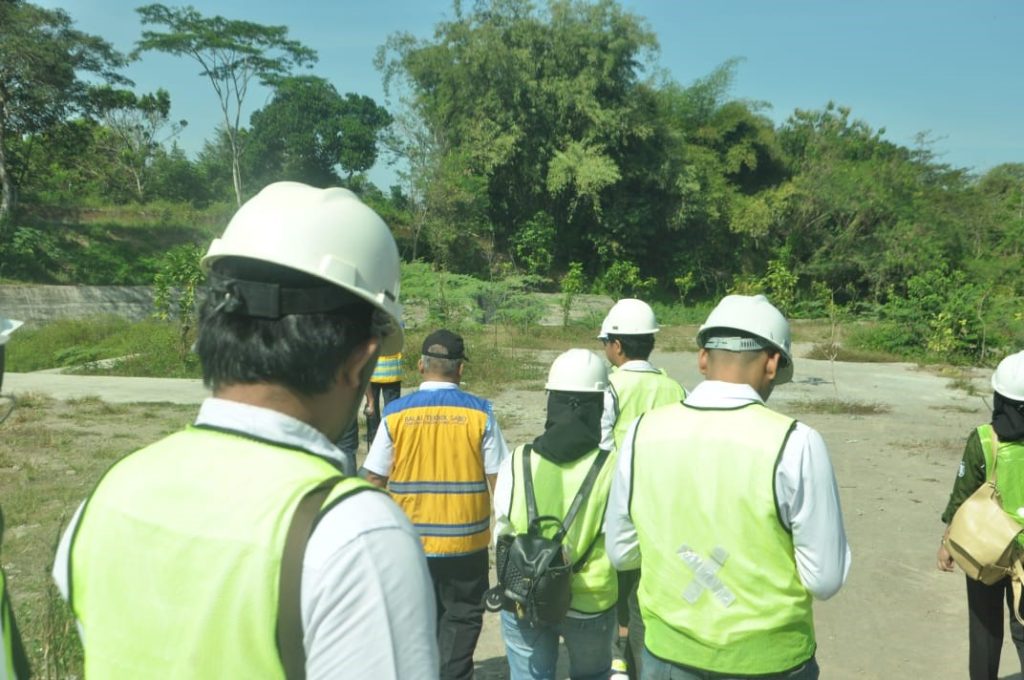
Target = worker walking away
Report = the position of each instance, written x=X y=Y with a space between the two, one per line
x=385 y=386
x=636 y=387
x=438 y=451
x=236 y=548
x=733 y=510
x=1000 y=439
x=567 y=477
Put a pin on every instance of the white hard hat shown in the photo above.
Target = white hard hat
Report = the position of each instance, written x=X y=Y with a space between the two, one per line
x=328 y=233
x=753 y=315
x=1008 y=379
x=629 y=316
x=578 y=370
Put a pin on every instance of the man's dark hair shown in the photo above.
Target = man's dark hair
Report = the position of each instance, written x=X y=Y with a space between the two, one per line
x=635 y=346
x=299 y=351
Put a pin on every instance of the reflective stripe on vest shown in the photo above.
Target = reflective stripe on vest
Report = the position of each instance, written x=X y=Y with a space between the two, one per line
x=719 y=589
x=437 y=475
x=1009 y=483
x=175 y=563
x=595 y=586
x=388 y=370
x=637 y=392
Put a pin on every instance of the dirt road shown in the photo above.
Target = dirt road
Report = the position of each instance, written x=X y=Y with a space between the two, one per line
x=897 y=616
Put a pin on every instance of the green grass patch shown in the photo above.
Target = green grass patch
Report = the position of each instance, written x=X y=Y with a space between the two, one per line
x=51 y=455
x=493 y=365
x=148 y=348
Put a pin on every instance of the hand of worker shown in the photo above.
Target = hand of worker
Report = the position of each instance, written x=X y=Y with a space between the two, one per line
x=368 y=408
x=944 y=558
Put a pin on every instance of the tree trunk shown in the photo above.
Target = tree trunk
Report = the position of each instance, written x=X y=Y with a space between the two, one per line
x=236 y=168
x=6 y=189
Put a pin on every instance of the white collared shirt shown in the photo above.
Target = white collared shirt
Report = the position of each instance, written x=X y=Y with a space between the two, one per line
x=367 y=598
x=806 y=493
x=611 y=401
x=382 y=452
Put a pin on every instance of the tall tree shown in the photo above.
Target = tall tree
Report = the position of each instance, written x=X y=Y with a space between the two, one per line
x=41 y=59
x=308 y=129
x=134 y=131
x=528 y=115
x=231 y=55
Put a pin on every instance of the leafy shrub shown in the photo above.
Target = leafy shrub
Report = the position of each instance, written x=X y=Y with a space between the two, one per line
x=622 y=279
x=943 y=316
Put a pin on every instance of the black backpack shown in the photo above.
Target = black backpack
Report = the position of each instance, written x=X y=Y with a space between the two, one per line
x=534 y=572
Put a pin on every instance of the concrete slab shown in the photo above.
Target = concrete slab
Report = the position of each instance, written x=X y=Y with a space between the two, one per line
x=108 y=388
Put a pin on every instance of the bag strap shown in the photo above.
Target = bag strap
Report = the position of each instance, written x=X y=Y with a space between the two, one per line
x=531 y=497
x=581 y=496
x=1016 y=575
x=289 y=592
x=994 y=443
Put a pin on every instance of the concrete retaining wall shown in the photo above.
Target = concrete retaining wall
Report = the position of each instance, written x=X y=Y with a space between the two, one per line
x=39 y=304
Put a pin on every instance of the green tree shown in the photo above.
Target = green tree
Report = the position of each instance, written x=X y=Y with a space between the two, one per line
x=533 y=111
x=231 y=55
x=134 y=131
x=42 y=57
x=308 y=129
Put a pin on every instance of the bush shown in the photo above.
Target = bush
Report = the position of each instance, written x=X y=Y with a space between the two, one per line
x=146 y=348
x=944 y=317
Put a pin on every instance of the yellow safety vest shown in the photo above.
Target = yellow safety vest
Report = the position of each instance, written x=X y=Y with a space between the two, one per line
x=594 y=587
x=720 y=589
x=637 y=392
x=388 y=369
x=437 y=475
x=175 y=562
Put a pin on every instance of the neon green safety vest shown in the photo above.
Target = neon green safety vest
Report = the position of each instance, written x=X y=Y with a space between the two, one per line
x=719 y=589
x=637 y=392
x=1009 y=477
x=594 y=587
x=175 y=562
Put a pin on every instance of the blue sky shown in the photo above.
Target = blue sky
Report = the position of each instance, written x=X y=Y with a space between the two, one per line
x=952 y=68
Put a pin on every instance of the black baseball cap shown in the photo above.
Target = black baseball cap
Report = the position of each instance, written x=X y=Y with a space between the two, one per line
x=454 y=347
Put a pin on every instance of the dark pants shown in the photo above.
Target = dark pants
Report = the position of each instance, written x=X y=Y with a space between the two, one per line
x=348 y=442
x=459 y=586
x=629 y=615
x=985 y=628
x=383 y=394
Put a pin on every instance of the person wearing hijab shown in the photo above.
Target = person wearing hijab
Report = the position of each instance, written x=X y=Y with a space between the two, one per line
x=1004 y=437
x=560 y=459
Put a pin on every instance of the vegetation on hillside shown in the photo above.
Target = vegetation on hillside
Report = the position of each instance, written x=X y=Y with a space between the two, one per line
x=542 y=147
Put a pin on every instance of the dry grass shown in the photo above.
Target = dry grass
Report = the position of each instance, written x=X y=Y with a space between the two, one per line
x=838 y=407
x=826 y=351
x=51 y=455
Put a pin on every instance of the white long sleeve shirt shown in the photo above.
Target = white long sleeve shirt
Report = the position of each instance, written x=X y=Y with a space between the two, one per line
x=805 y=490
x=367 y=597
